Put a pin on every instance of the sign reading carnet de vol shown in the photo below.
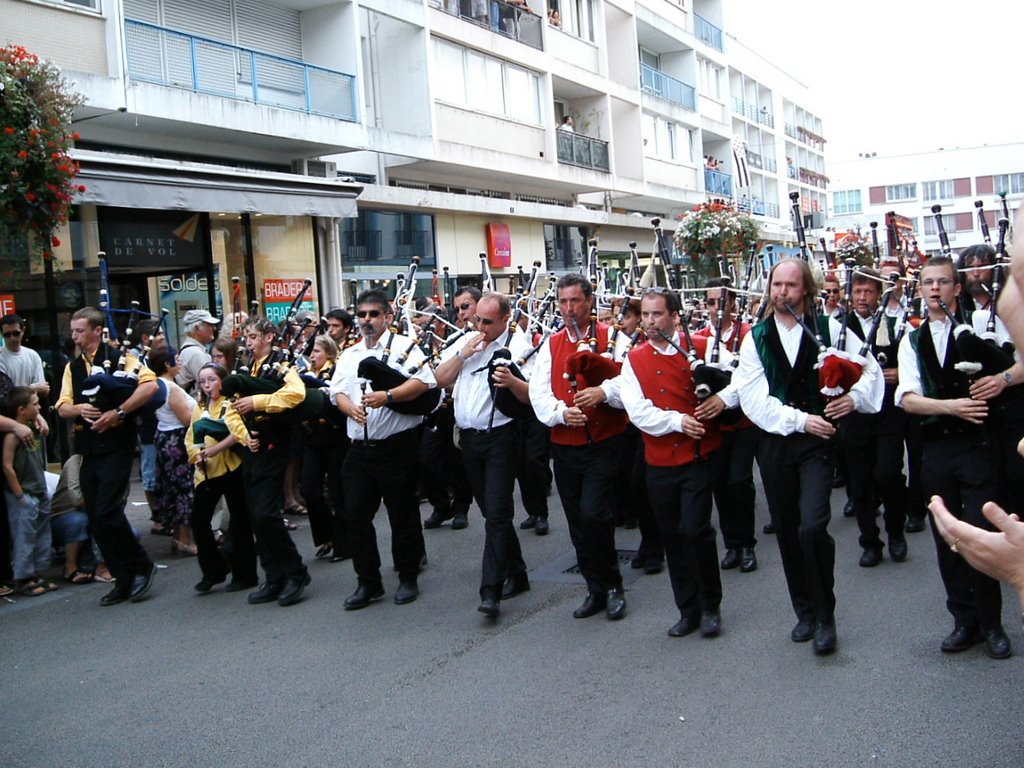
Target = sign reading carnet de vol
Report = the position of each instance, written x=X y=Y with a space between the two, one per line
x=278 y=295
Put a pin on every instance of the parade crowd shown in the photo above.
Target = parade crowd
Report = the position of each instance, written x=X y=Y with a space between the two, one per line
x=648 y=409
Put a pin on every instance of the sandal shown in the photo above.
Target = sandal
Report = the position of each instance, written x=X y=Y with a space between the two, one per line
x=290 y=525
x=6 y=590
x=296 y=509
x=79 y=577
x=49 y=586
x=106 y=578
x=30 y=589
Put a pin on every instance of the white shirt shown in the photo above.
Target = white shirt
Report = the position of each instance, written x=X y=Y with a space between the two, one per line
x=474 y=405
x=380 y=422
x=24 y=367
x=644 y=414
x=549 y=409
x=979 y=319
x=910 y=372
x=770 y=413
x=730 y=395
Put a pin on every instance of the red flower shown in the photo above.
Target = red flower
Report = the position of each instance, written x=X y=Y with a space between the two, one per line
x=81 y=187
x=8 y=130
x=30 y=196
x=55 y=241
x=22 y=155
x=75 y=136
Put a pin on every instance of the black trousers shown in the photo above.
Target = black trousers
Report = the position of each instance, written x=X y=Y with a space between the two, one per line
x=1006 y=427
x=263 y=473
x=734 y=488
x=534 y=470
x=443 y=473
x=873 y=446
x=585 y=475
x=491 y=472
x=383 y=470
x=323 y=458
x=632 y=483
x=241 y=563
x=796 y=471
x=104 y=481
x=913 y=440
x=681 y=500
x=962 y=470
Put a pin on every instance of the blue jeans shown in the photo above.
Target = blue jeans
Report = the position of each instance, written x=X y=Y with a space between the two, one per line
x=29 y=520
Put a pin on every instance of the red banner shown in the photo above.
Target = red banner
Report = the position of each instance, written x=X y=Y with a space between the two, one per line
x=499 y=246
x=7 y=304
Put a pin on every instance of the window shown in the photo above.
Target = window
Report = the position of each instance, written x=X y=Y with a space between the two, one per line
x=471 y=79
x=709 y=78
x=387 y=239
x=577 y=17
x=662 y=137
x=846 y=202
x=900 y=192
x=1011 y=184
x=937 y=190
x=92 y=5
x=953 y=222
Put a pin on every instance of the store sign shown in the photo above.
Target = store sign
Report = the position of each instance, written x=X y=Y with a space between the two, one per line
x=7 y=304
x=140 y=239
x=278 y=295
x=499 y=246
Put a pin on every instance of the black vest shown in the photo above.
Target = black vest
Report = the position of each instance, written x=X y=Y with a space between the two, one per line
x=120 y=437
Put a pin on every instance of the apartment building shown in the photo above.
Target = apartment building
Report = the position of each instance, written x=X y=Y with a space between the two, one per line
x=957 y=179
x=276 y=140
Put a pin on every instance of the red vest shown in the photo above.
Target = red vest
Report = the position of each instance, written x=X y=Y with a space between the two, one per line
x=603 y=421
x=705 y=333
x=667 y=382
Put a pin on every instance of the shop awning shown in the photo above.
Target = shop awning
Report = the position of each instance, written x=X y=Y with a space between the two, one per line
x=190 y=187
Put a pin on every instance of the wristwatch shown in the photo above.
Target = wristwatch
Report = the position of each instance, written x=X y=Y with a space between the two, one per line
x=391 y=398
x=121 y=415
x=1007 y=377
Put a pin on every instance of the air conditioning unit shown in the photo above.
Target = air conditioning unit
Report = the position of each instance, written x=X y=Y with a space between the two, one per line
x=319 y=168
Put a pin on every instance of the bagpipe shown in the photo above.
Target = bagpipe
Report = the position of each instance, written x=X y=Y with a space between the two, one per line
x=980 y=356
x=108 y=386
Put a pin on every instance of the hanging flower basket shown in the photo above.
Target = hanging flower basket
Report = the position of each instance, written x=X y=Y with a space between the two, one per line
x=712 y=230
x=856 y=247
x=37 y=176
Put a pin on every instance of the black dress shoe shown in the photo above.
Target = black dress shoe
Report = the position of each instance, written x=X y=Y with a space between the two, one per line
x=489 y=607
x=848 y=510
x=748 y=560
x=267 y=593
x=204 y=585
x=515 y=586
x=898 y=550
x=616 y=604
x=824 y=638
x=915 y=524
x=803 y=631
x=731 y=559
x=654 y=566
x=638 y=562
x=871 y=557
x=239 y=586
x=340 y=555
x=142 y=584
x=292 y=591
x=117 y=595
x=438 y=516
x=407 y=592
x=363 y=596
x=528 y=523
x=460 y=521
x=768 y=529
x=960 y=639
x=592 y=605
x=997 y=644
x=541 y=528
x=685 y=626
x=323 y=551
x=710 y=623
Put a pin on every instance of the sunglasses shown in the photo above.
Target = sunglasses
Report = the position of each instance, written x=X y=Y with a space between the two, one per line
x=832 y=290
x=12 y=334
x=372 y=313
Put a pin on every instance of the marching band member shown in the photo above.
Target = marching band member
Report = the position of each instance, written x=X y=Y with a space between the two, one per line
x=263 y=468
x=489 y=441
x=959 y=458
x=106 y=440
x=586 y=440
x=779 y=392
x=381 y=462
x=683 y=461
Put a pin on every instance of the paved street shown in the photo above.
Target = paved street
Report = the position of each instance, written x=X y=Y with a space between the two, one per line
x=211 y=681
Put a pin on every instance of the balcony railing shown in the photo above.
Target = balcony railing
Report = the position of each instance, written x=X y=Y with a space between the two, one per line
x=582 y=151
x=717 y=183
x=707 y=32
x=663 y=86
x=167 y=57
x=751 y=112
x=758 y=207
x=755 y=160
x=510 y=20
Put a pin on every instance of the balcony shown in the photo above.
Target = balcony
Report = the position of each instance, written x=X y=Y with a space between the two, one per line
x=758 y=207
x=582 y=151
x=755 y=160
x=707 y=32
x=717 y=183
x=751 y=112
x=167 y=57
x=668 y=88
x=511 y=20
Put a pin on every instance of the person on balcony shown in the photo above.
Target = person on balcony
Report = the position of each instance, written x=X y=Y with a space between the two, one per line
x=567 y=124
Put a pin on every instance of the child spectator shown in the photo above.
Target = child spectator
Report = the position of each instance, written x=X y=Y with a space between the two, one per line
x=28 y=503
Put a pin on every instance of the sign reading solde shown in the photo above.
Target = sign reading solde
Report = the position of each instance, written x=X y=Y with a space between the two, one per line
x=278 y=295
